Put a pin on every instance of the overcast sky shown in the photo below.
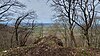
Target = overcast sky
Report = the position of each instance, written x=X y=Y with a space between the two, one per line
x=42 y=9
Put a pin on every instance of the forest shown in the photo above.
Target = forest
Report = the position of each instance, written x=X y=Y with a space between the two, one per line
x=74 y=30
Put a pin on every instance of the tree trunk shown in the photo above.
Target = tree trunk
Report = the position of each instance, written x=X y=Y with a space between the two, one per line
x=73 y=41
x=87 y=37
x=65 y=37
x=66 y=41
x=16 y=35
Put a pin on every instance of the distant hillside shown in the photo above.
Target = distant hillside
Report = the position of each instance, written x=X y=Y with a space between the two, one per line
x=27 y=24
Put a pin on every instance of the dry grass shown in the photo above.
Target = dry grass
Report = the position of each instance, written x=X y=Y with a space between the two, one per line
x=46 y=50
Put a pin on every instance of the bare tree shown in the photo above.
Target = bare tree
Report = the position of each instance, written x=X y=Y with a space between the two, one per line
x=66 y=10
x=6 y=5
x=30 y=16
x=7 y=10
x=85 y=13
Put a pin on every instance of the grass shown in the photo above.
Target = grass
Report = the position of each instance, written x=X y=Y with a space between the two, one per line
x=50 y=51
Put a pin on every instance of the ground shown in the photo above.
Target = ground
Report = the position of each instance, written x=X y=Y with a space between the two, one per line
x=46 y=50
x=49 y=47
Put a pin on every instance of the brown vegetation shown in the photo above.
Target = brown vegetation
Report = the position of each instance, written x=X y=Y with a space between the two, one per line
x=45 y=49
x=7 y=37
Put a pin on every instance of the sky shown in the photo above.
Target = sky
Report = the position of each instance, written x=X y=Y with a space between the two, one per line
x=43 y=9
